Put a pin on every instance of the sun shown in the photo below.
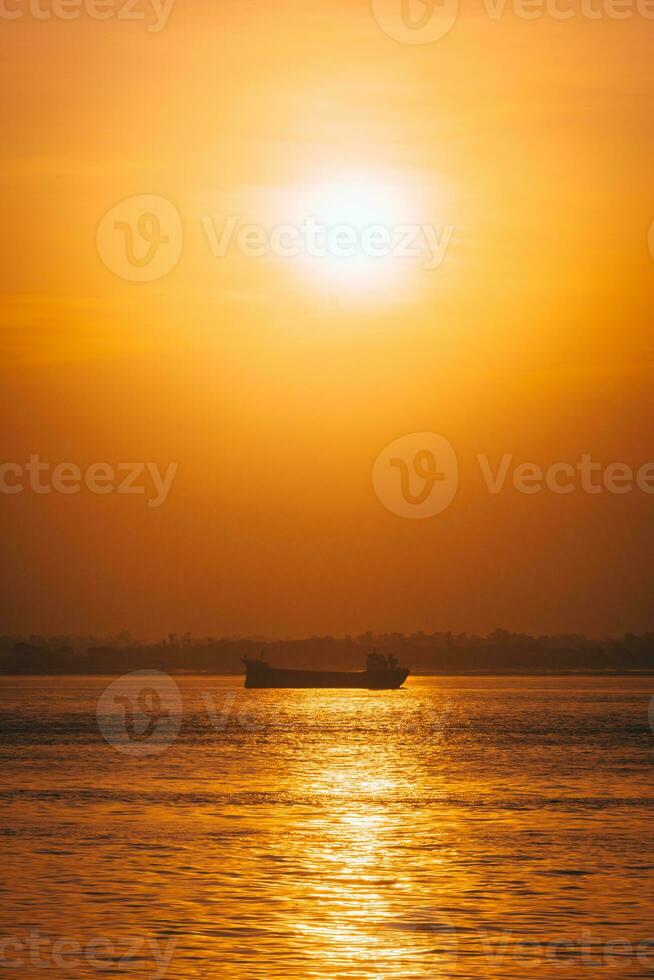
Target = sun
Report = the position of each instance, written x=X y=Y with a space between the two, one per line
x=349 y=232
x=357 y=202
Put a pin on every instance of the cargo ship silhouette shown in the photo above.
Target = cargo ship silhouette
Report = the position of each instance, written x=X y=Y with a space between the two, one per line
x=380 y=674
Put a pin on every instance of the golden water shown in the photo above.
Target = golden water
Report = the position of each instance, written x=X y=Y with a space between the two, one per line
x=460 y=827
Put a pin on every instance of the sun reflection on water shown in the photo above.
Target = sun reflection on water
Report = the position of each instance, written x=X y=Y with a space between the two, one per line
x=368 y=921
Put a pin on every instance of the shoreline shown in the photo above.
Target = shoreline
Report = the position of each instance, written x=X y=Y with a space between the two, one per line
x=439 y=673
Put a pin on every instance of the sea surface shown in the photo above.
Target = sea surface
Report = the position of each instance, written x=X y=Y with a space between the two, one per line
x=460 y=827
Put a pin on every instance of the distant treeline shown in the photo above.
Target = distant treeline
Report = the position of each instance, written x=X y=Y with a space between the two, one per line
x=448 y=653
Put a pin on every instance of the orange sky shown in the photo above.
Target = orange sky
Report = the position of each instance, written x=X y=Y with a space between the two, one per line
x=275 y=383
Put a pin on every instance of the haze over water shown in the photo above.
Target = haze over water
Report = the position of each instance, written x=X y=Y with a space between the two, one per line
x=467 y=827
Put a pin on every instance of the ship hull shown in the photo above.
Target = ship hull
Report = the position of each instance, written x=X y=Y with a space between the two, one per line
x=273 y=677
